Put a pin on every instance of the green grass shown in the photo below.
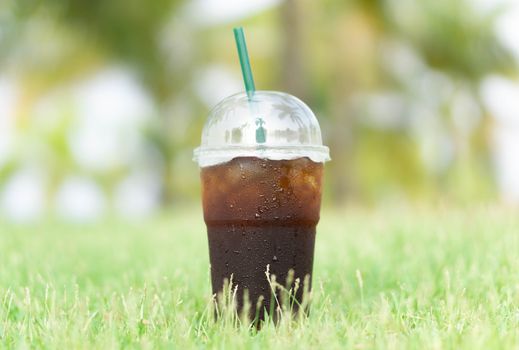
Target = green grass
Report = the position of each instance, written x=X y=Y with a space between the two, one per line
x=391 y=278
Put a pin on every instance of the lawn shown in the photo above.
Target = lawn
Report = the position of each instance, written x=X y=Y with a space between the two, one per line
x=385 y=278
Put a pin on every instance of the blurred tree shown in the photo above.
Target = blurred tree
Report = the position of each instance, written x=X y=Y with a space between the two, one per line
x=347 y=40
x=95 y=32
x=328 y=52
x=293 y=77
x=124 y=30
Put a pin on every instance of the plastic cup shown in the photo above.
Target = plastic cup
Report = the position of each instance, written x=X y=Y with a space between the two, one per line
x=261 y=160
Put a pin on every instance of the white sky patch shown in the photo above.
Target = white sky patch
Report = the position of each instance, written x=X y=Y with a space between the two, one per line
x=113 y=97
x=138 y=194
x=485 y=6
x=8 y=99
x=384 y=110
x=507 y=27
x=23 y=195
x=501 y=97
x=505 y=142
x=216 y=82
x=111 y=106
x=213 y=12
x=80 y=199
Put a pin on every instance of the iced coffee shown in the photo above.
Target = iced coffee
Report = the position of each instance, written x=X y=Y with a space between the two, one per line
x=261 y=194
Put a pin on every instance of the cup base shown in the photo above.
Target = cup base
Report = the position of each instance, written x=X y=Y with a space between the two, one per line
x=251 y=255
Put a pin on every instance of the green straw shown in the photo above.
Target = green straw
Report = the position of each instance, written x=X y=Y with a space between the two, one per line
x=244 y=61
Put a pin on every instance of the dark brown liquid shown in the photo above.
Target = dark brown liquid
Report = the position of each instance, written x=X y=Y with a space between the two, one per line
x=261 y=212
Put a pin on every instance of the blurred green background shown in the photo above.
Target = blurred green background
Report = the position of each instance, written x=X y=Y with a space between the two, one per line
x=102 y=102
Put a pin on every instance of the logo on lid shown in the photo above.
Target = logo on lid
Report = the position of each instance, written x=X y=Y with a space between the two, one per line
x=261 y=132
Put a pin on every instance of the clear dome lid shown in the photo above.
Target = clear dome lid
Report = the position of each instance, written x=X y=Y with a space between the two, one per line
x=272 y=125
